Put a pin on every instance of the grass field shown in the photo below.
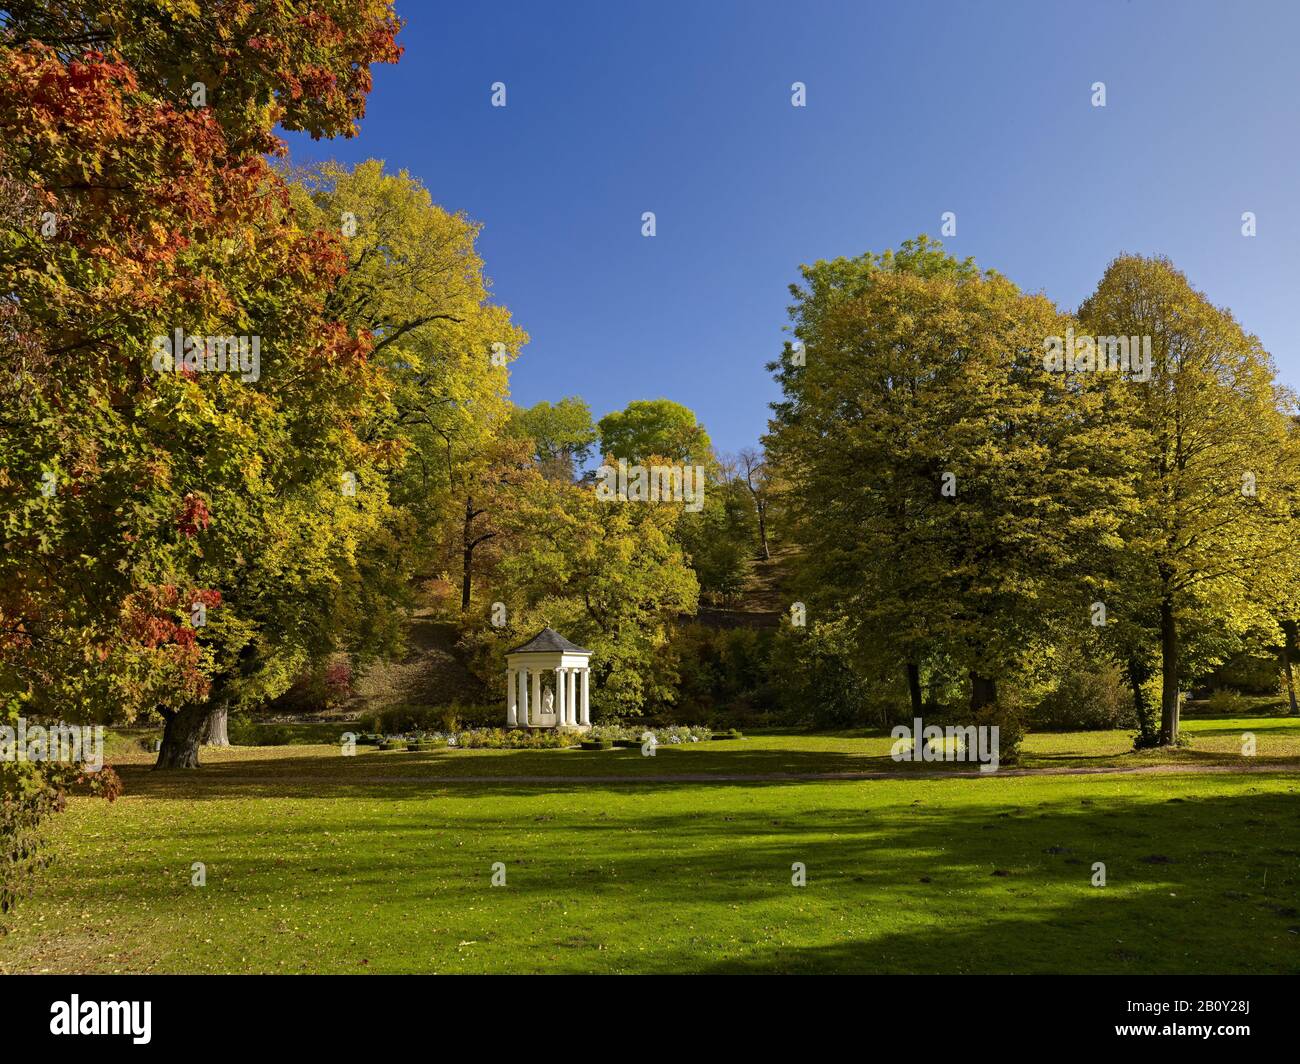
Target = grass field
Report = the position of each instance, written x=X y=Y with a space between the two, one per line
x=383 y=862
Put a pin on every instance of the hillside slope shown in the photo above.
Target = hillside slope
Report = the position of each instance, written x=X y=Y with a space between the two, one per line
x=764 y=601
x=430 y=674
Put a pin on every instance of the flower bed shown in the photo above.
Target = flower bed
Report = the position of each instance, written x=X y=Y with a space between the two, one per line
x=601 y=737
x=632 y=735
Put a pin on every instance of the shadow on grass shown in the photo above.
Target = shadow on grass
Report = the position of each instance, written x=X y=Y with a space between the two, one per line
x=1189 y=881
x=379 y=773
x=1194 y=884
x=402 y=773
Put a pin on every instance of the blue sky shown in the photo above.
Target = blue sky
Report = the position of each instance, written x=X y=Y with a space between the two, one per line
x=913 y=109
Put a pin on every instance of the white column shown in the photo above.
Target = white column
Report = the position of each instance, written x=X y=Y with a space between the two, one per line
x=537 y=689
x=512 y=697
x=523 y=697
x=586 y=696
x=573 y=696
x=560 y=682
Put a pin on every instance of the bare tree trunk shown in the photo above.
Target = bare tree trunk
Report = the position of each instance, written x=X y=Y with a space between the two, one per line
x=756 y=467
x=1169 y=694
x=762 y=531
x=1289 y=641
x=217 y=734
x=182 y=733
x=914 y=687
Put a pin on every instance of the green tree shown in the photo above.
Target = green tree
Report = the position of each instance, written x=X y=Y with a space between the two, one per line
x=562 y=434
x=949 y=493
x=654 y=427
x=1280 y=587
x=1215 y=489
x=720 y=539
x=610 y=575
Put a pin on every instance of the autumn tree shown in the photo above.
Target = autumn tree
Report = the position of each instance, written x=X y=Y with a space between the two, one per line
x=416 y=285
x=181 y=530
x=300 y=64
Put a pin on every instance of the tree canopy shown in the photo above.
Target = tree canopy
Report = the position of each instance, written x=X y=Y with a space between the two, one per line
x=648 y=428
x=147 y=481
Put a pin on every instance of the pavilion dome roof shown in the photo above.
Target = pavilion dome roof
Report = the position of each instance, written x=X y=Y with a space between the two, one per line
x=548 y=640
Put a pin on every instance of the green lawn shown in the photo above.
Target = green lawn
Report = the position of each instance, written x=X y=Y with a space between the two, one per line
x=383 y=863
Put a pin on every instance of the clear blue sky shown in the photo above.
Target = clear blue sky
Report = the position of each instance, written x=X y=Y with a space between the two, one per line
x=683 y=108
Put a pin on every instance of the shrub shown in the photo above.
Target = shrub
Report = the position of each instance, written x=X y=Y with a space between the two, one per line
x=445 y=719
x=478 y=715
x=1008 y=718
x=623 y=734
x=1228 y=702
x=243 y=732
x=725 y=670
x=323 y=685
x=679 y=733
x=1089 y=696
x=824 y=686
x=731 y=733
x=602 y=738
x=336 y=682
x=515 y=739
x=1248 y=672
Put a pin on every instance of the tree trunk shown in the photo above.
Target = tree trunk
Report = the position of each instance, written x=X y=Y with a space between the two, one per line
x=1289 y=642
x=182 y=733
x=217 y=735
x=762 y=530
x=914 y=687
x=468 y=542
x=1169 y=673
x=983 y=692
x=467 y=554
x=1138 y=674
x=466 y=568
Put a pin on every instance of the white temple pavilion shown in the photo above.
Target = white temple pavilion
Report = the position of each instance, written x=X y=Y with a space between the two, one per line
x=548 y=684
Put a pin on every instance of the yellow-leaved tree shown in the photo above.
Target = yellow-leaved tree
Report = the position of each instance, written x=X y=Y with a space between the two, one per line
x=1217 y=479
x=416 y=283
